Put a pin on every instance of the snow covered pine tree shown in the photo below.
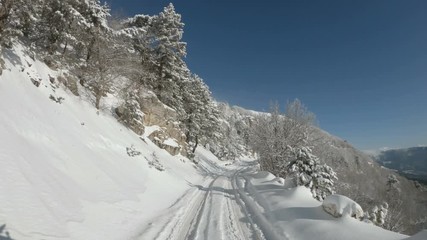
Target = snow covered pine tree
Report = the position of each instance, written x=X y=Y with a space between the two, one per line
x=307 y=171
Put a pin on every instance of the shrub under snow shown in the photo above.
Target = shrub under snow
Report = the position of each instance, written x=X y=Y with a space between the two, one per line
x=338 y=206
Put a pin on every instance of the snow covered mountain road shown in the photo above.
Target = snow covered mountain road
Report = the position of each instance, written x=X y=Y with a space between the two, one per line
x=211 y=210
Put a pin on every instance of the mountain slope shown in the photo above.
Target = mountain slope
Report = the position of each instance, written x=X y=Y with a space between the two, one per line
x=65 y=171
x=72 y=172
x=359 y=176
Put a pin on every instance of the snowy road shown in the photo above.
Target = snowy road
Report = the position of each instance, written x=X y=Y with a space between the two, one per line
x=232 y=201
x=215 y=209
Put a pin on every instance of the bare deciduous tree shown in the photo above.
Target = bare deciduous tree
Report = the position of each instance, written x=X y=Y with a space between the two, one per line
x=105 y=66
x=275 y=135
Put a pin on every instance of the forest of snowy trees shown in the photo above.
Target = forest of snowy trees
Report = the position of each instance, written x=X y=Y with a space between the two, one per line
x=109 y=54
x=147 y=52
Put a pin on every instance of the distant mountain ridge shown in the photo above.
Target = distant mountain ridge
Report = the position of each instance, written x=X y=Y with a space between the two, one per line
x=410 y=162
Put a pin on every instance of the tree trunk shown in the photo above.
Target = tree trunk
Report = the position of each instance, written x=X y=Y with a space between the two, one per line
x=195 y=145
x=90 y=49
x=65 y=48
x=98 y=95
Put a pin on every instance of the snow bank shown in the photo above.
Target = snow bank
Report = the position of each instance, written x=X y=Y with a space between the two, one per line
x=171 y=142
x=65 y=172
x=293 y=213
x=338 y=206
x=422 y=235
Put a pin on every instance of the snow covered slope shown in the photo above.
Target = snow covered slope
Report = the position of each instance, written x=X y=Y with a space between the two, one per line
x=65 y=172
x=68 y=172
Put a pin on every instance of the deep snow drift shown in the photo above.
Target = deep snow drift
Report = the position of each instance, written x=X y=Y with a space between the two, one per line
x=66 y=174
x=295 y=214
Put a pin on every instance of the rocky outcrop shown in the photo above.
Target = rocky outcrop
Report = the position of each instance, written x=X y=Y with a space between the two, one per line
x=145 y=109
x=169 y=137
x=155 y=112
x=162 y=139
x=69 y=82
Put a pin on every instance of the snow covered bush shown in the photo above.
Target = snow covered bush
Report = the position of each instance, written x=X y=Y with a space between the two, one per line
x=378 y=214
x=307 y=171
x=154 y=162
x=338 y=206
x=392 y=183
x=132 y=152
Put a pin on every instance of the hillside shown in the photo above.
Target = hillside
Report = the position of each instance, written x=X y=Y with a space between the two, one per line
x=105 y=133
x=73 y=172
x=65 y=168
x=360 y=177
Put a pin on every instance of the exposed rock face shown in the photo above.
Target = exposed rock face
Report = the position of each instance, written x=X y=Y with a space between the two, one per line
x=171 y=145
x=169 y=137
x=70 y=82
x=155 y=112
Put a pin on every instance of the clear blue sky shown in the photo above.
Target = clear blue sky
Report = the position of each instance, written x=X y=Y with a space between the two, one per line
x=360 y=66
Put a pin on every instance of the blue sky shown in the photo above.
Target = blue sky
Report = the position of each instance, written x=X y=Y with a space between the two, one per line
x=360 y=66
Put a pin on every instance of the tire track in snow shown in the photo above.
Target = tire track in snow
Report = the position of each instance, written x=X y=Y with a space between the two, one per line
x=219 y=217
x=213 y=210
x=234 y=218
x=194 y=225
x=256 y=231
x=261 y=226
x=176 y=215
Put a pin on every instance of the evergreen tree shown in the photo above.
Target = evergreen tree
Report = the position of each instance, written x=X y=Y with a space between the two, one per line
x=201 y=114
x=168 y=51
x=136 y=30
x=6 y=7
x=16 y=17
x=55 y=22
x=158 y=41
x=97 y=30
x=307 y=171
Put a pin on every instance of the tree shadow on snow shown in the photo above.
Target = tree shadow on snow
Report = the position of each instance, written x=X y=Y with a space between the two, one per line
x=215 y=190
x=5 y=235
x=10 y=55
x=270 y=188
x=294 y=213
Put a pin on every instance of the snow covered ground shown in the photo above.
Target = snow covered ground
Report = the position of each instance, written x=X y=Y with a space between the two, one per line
x=236 y=203
x=66 y=174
